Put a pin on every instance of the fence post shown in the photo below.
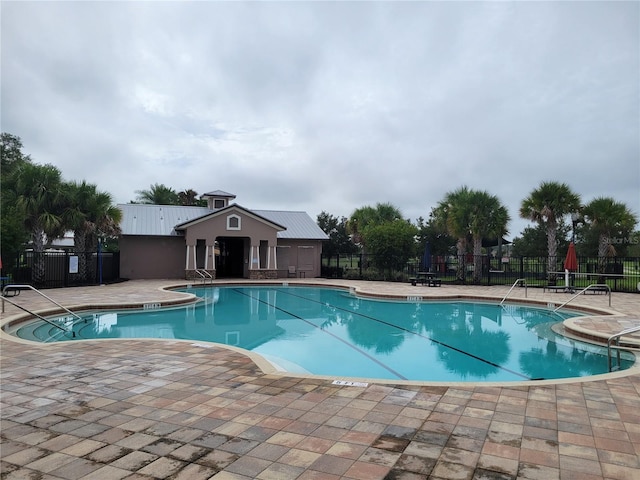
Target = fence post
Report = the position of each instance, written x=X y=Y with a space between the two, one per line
x=65 y=282
x=521 y=267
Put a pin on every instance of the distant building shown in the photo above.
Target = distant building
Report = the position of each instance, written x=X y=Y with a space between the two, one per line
x=223 y=240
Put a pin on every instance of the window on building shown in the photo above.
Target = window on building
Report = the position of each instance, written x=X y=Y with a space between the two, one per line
x=233 y=222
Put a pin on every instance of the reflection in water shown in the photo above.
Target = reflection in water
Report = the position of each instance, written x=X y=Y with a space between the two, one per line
x=468 y=328
x=330 y=332
x=541 y=362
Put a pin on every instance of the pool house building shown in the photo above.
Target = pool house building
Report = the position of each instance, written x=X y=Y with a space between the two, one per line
x=221 y=240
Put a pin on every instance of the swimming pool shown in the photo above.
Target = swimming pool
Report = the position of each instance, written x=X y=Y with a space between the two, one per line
x=333 y=332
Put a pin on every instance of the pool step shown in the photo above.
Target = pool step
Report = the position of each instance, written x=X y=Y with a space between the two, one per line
x=39 y=332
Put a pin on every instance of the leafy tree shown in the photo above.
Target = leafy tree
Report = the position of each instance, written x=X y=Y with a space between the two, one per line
x=610 y=220
x=367 y=216
x=533 y=240
x=39 y=202
x=158 y=194
x=392 y=243
x=12 y=154
x=546 y=205
x=441 y=242
x=13 y=233
x=339 y=240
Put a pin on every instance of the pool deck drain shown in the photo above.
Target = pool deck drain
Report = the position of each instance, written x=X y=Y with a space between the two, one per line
x=142 y=409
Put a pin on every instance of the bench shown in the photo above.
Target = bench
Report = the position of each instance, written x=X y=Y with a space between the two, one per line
x=558 y=288
x=597 y=290
x=425 y=279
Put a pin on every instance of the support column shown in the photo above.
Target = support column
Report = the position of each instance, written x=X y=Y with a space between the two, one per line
x=268 y=257
x=251 y=257
x=213 y=256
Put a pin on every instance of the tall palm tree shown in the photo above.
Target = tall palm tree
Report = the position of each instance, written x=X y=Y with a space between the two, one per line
x=158 y=194
x=487 y=218
x=609 y=219
x=452 y=215
x=546 y=205
x=39 y=202
x=90 y=214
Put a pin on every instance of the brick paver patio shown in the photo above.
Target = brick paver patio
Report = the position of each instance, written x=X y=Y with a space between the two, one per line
x=147 y=409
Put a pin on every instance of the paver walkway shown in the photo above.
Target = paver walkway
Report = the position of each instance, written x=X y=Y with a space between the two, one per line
x=143 y=409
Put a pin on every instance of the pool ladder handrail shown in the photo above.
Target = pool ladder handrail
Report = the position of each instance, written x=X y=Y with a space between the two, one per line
x=617 y=346
x=11 y=287
x=204 y=275
x=524 y=280
x=599 y=286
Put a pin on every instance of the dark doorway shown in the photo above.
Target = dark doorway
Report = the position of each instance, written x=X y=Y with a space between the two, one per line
x=230 y=263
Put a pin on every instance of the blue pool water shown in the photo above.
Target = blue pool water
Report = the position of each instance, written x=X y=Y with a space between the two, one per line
x=331 y=332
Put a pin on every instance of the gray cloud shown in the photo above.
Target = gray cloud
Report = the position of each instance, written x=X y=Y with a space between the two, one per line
x=329 y=106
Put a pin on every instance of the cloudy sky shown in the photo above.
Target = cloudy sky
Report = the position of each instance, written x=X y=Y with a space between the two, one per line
x=329 y=106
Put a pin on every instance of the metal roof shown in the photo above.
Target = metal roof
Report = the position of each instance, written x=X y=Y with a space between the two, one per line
x=299 y=224
x=144 y=219
x=218 y=193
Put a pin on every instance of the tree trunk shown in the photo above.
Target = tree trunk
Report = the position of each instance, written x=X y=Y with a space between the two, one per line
x=80 y=248
x=552 y=247
x=603 y=250
x=38 y=273
x=477 y=259
x=462 y=267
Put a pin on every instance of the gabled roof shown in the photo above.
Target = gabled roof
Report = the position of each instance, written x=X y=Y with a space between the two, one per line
x=224 y=211
x=162 y=220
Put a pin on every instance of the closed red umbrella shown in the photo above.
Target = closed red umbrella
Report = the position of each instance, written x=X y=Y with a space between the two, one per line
x=570 y=265
x=571 y=260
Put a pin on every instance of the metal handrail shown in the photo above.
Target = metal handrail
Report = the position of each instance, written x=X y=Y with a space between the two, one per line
x=29 y=287
x=599 y=286
x=64 y=330
x=204 y=275
x=617 y=345
x=513 y=286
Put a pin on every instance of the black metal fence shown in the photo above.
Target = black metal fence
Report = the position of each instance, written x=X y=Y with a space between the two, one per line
x=621 y=274
x=53 y=269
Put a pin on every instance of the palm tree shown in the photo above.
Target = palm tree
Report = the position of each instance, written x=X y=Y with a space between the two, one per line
x=39 y=202
x=188 y=197
x=608 y=219
x=158 y=194
x=452 y=215
x=546 y=205
x=487 y=218
x=91 y=215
